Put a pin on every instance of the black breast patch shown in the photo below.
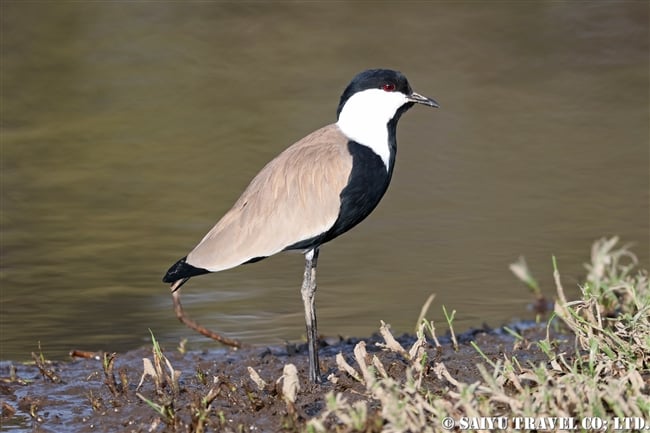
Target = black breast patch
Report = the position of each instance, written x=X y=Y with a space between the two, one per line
x=366 y=186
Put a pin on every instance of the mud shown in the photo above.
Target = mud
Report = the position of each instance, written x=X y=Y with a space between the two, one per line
x=216 y=392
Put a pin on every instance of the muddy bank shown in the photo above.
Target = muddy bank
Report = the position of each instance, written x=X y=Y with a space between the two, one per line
x=215 y=391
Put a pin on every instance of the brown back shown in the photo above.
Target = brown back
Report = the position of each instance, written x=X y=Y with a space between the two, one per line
x=295 y=197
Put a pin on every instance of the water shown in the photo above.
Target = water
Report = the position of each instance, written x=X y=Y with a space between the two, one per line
x=129 y=128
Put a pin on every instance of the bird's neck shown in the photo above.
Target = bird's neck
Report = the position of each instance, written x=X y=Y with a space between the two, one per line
x=374 y=135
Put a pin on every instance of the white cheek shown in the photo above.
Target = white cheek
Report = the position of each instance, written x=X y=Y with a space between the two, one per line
x=365 y=116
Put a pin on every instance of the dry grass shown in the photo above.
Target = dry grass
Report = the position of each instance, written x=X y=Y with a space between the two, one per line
x=607 y=374
x=606 y=377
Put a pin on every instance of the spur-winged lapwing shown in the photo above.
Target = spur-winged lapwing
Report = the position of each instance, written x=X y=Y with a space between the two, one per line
x=314 y=191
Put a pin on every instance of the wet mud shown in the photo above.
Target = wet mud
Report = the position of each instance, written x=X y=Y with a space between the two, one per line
x=215 y=391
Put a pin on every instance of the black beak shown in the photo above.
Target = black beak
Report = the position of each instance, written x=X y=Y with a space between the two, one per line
x=419 y=99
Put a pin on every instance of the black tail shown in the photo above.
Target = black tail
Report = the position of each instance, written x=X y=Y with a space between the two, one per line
x=181 y=269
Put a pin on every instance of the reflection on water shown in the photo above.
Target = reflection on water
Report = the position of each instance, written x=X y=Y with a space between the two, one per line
x=129 y=129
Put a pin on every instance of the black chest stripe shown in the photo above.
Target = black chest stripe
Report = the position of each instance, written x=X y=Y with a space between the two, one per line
x=366 y=186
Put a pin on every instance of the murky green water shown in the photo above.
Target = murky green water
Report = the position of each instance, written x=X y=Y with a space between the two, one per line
x=128 y=128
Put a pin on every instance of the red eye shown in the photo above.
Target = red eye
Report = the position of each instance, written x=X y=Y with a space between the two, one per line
x=388 y=87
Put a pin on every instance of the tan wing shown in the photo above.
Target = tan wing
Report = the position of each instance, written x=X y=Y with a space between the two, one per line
x=295 y=197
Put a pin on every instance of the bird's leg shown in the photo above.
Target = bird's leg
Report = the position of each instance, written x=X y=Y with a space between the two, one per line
x=308 y=291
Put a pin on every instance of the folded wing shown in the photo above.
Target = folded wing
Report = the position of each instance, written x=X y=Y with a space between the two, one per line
x=295 y=197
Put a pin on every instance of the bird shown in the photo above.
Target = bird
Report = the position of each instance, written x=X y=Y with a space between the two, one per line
x=312 y=192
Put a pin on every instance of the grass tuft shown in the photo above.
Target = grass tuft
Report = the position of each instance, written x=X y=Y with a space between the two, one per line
x=450 y=320
x=606 y=375
x=45 y=366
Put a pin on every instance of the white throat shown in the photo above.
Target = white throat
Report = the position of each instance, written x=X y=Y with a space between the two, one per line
x=365 y=116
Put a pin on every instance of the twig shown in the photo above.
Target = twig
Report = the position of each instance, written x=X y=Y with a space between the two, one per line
x=180 y=314
x=85 y=354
